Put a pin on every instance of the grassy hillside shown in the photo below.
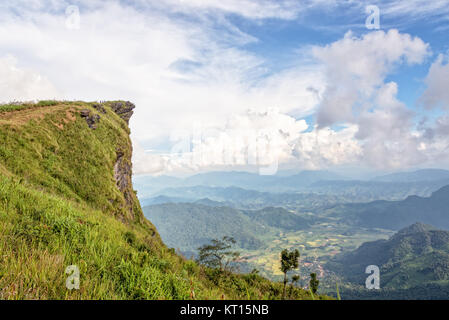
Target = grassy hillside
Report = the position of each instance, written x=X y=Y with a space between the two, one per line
x=66 y=198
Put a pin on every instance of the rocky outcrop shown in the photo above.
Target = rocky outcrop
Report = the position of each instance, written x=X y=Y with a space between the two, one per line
x=91 y=119
x=123 y=176
x=123 y=109
x=123 y=164
x=99 y=107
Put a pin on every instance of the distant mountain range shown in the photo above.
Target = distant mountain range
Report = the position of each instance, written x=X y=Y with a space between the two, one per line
x=242 y=198
x=395 y=215
x=415 y=176
x=414 y=264
x=391 y=187
x=275 y=183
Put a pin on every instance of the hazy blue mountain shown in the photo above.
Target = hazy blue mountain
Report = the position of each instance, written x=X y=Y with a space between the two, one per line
x=306 y=182
x=279 y=218
x=411 y=262
x=395 y=215
x=274 y=183
x=414 y=176
x=307 y=178
x=210 y=203
x=228 y=179
x=365 y=191
x=251 y=199
x=163 y=199
x=147 y=185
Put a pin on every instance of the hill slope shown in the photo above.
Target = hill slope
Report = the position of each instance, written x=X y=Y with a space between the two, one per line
x=66 y=198
x=414 y=263
x=187 y=226
x=395 y=215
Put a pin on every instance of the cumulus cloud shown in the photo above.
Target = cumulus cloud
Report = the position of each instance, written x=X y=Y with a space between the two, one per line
x=437 y=93
x=146 y=163
x=357 y=67
x=18 y=84
x=257 y=140
x=324 y=148
x=434 y=133
x=251 y=139
x=357 y=93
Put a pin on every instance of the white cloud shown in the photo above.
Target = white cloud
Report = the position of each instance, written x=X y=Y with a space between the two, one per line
x=254 y=9
x=324 y=148
x=145 y=163
x=255 y=140
x=250 y=139
x=146 y=57
x=357 y=93
x=18 y=84
x=437 y=93
x=356 y=69
x=182 y=69
x=416 y=9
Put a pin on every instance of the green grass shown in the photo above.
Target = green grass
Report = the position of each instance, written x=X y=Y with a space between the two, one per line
x=60 y=206
x=16 y=106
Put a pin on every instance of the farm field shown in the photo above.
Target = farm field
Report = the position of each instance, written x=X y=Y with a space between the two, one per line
x=317 y=245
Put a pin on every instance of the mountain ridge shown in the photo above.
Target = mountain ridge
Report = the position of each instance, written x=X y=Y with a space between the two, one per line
x=414 y=258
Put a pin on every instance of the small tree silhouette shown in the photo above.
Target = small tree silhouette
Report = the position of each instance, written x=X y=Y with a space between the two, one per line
x=313 y=283
x=219 y=254
x=289 y=261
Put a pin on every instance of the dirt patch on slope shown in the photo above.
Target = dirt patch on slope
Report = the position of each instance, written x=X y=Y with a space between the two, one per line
x=21 y=117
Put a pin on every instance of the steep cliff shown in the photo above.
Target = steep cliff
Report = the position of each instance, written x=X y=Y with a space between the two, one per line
x=66 y=199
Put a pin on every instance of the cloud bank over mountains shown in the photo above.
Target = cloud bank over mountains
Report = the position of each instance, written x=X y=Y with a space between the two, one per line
x=215 y=103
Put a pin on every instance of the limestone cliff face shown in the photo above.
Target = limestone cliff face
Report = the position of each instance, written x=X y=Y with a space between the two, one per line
x=123 y=164
x=123 y=179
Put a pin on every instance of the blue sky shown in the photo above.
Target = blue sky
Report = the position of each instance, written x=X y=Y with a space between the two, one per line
x=245 y=84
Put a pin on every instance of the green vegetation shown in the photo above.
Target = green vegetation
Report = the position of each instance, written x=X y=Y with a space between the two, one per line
x=66 y=198
x=414 y=264
x=399 y=214
x=289 y=261
x=218 y=254
x=313 y=283
x=21 y=106
x=187 y=226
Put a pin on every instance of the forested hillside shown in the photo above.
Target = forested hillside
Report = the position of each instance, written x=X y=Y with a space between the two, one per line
x=414 y=264
x=399 y=214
